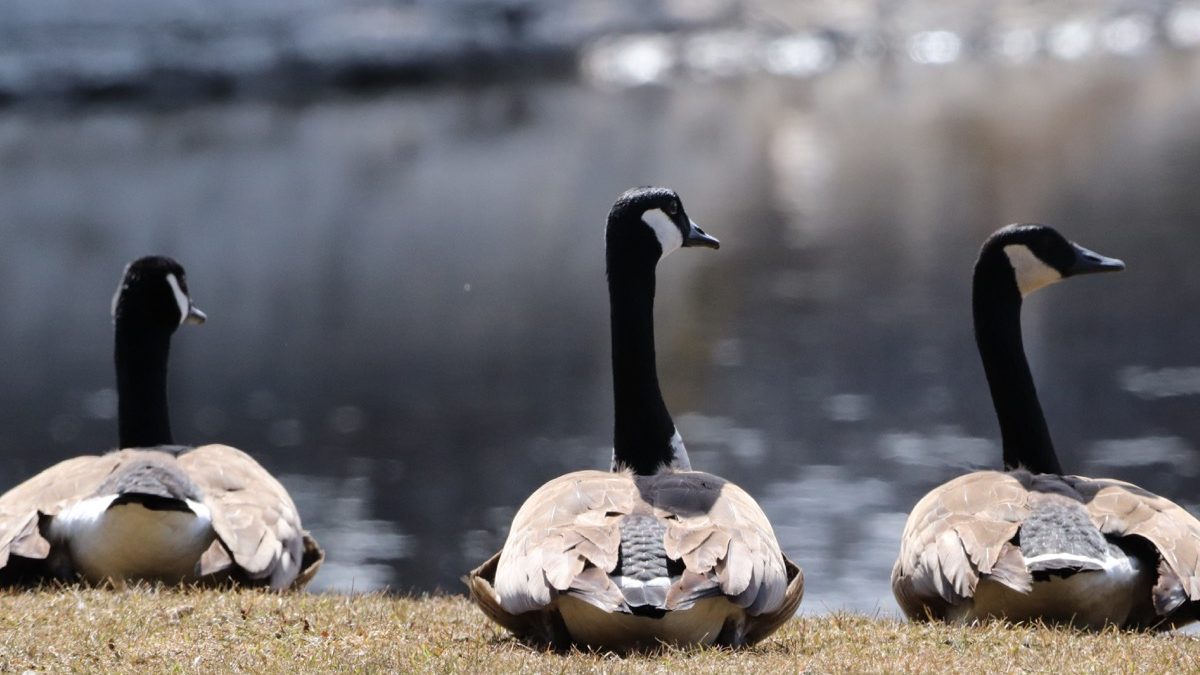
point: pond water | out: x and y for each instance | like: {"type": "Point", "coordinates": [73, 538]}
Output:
{"type": "Point", "coordinates": [408, 317]}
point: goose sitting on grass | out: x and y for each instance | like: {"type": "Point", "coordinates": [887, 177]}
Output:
{"type": "Point", "coordinates": [154, 511]}
{"type": "Point", "coordinates": [1030, 543]}
{"type": "Point", "coordinates": [651, 552]}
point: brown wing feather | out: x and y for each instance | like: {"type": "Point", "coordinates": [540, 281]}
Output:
{"type": "Point", "coordinates": [569, 524]}
{"type": "Point", "coordinates": [721, 534]}
{"type": "Point", "coordinates": [46, 494]}
{"type": "Point", "coordinates": [957, 533]}
{"type": "Point", "coordinates": [761, 626]}
{"type": "Point", "coordinates": [542, 626]}
{"type": "Point", "coordinates": [1122, 509]}
{"type": "Point", "coordinates": [566, 539]}
{"type": "Point", "coordinates": [254, 518]}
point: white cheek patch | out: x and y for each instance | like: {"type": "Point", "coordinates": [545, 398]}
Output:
{"type": "Point", "coordinates": [1030, 271]}
{"type": "Point", "coordinates": [181, 298]}
{"type": "Point", "coordinates": [665, 230]}
{"type": "Point", "coordinates": [117, 299]}
{"type": "Point", "coordinates": [120, 287]}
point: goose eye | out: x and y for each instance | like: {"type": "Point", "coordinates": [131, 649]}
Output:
{"type": "Point", "coordinates": [672, 209]}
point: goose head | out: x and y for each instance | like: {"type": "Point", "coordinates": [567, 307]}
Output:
{"type": "Point", "coordinates": [154, 293]}
{"type": "Point", "coordinates": [1037, 256]}
{"type": "Point", "coordinates": [1014, 262]}
{"type": "Point", "coordinates": [648, 223]}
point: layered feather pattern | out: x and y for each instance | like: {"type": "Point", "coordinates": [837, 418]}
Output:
{"type": "Point", "coordinates": [566, 541]}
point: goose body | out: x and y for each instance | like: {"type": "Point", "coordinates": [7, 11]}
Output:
{"type": "Point", "coordinates": [1030, 543]}
{"type": "Point", "coordinates": [651, 552]}
{"type": "Point", "coordinates": [154, 511]}
{"type": "Point", "coordinates": [146, 521]}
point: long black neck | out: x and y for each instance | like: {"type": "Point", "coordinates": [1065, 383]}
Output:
{"type": "Point", "coordinates": [141, 359]}
{"type": "Point", "coordinates": [643, 428]}
{"type": "Point", "coordinates": [997, 309]}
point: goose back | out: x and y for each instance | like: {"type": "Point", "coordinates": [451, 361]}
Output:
{"type": "Point", "coordinates": [565, 546]}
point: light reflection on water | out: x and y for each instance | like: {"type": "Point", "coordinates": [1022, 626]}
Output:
{"type": "Point", "coordinates": [338, 512]}
{"type": "Point", "coordinates": [408, 318]}
{"type": "Point", "coordinates": [806, 40]}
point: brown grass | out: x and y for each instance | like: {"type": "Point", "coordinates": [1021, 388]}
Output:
{"type": "Point", "coordinates": [166, 630]}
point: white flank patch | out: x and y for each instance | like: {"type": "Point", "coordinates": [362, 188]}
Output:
{"type": "Point", "coordinates": [681, 461]}
{"type": "Point", "coordinates": [120, 287]}
{"type": "Point", "coordinates": [1031, 272]}
{"type": "Point", "coordinates": [181, 298]}
{"type": "Point", "coordinates": [80, 515]}
{"type": "Point", "coordinates": [202, 512]}
{"type": "Point", "coordinates": [679, 457]}
{"type": "Point", "coordinates": [665, 229]}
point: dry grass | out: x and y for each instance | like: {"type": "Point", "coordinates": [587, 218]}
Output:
{"type": "Point", "coordinates": [149, 630]}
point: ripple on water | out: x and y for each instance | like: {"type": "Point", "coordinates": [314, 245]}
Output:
{"type": "Point", "coordinates": [1172, 451]}
{"type": "Point", "coordinates": [359, 549]}
{"type": "Point", "coordinates": [844, 531]}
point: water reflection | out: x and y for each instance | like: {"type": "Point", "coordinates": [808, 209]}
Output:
{"type": "Point", "coordinates": [338, 510]}
{"type": "Point", "coordinates": [408, 317]}
{"type": "Point", "coordinates": [803, 40]}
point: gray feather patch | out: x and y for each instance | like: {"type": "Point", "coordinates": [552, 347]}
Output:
{"type": "Point", "coordinates": [642, 572]}
{"type": "Point", "coordinates": [1061, 536]}
{"type": "Point", "coordinates": [643, 556]}
{"type": "Point", "coordinates": [151, 475]}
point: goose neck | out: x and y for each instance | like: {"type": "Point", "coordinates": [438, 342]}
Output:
{"type": "Point", "coordinates": [997, 314]}
{"type": "Point", "coordinates": [643, 429]}
{"type": "Point", "coordinates": [141, 360]}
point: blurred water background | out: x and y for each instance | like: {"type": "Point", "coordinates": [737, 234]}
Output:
{"type": "Point", "coordinates": [393, 214]}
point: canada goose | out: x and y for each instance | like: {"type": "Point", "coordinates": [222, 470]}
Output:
{"type": "Point", "coordinates": [153, 510]}
{"type": "Point", "coordinates": [1029, 543]}
{"type": "Point", "coordinates": [651, 552]}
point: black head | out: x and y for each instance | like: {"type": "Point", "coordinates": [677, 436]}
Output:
{"type": "Point", "coordinates": [154, 292]}
{"type": "Point", "coordinates": [1039, 256]}
{"type": "Point", "coordinates": [652, 220]}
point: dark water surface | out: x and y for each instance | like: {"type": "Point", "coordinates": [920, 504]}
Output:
{"type": "Point", "coordinates": [408, 316]}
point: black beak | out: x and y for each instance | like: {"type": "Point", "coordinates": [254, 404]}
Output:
{"type": "Point", "coordinates": [697, 237]}
{"type": "Point", "coordinates": [1090, 262]}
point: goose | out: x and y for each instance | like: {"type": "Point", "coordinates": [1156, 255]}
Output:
{"type": "Point", "coordinates": [1029, 543]}
{"type": "Point", "coordinates": [650, 552]}
{"type": "Point", "coordinates": [154, 511]}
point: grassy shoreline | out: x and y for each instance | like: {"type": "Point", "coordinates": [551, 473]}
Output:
{"type": "Point", "coordinates": [168, 630]}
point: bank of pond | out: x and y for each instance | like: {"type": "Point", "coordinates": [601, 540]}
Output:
{"type": "Point", "coordinates": [653, 551]}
